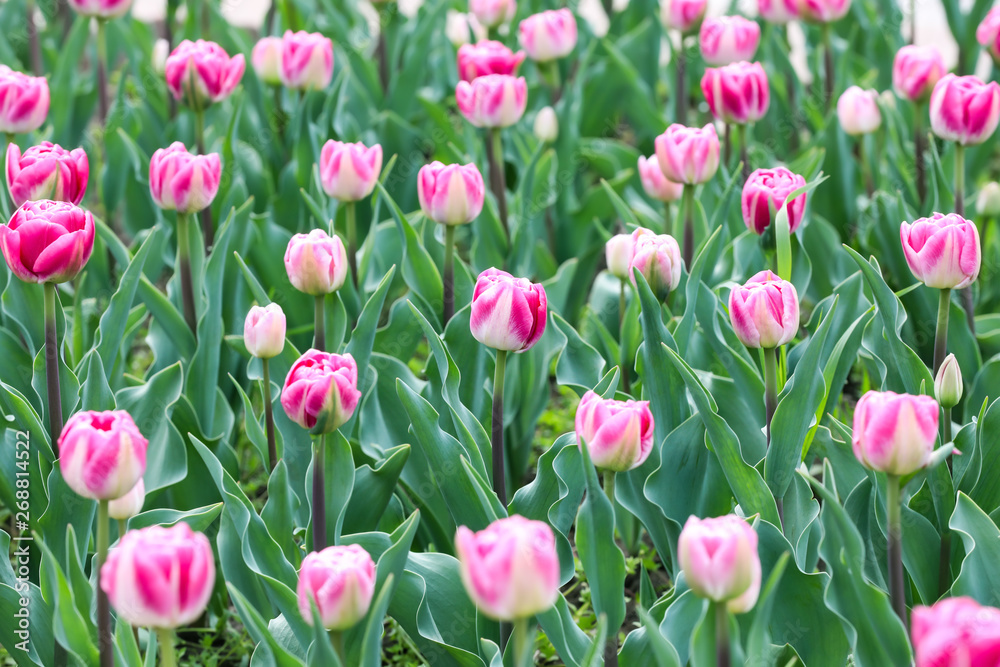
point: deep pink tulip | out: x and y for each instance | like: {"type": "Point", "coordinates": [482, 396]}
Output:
{"type": "Point", "coordinates": [728, 39]}
{"type": "Point", "coordinates": [451, 194]}
{"type": "Point", "coordinates": [306, 60]}
{"type": "Point", "coordinates": [349, 172]}
{"type": "Point", "coordinates": [688, 155]}
{"type": "Point", "coordinates": [720, 561]}
{"type": "Point", "coordinates": [765, 191]}
{"type": "Point", "coordinates": [321, 391]}
{"type": "Point", "coordinates": [508, 313]}
{"type": "Point", "coordinates": [24, 101]}
{"type": "Point", "coordinates": [858, 112]}
{"type": "Point", "coordinates": [964, 109]}
{"type": "Point", "coordinates": [618, 434]}
{"type": "Point", "coordinates": [494, 100]}
{"type": "Point", "coordinates": [894, 433]}
{"type": "Point", "coordinates": [47, 241]}
{"type": "Point", "coordinates": [956, 632]}
{"type": "Point", "coordinates": [548, 35]}
{"type": "Point", "coordinates": [764, 311]}
{"type": "Point", "coordinates": [655, 184]}
{"type": "Point", "coordinates": [988, 33]}
{"type": "Point", "coordinates": [658, 258]}
{"type": "Point", "coordinates": [737, 93]}
{"type": "Point", "coordinates": [487, 57]}
{"type": "Point", "coordinates": [683, 15]}
{"type": "Point", "coordinates": [202, 73]}
{"type": "Point", "coordinates": [266, 60]}
{"type": "Point", "coordinates": [102, 455]}
{"type": "Point", "coordinates": [943, 251]}
{"type": "Point", "coordinates": [493, 13]}
{"type": "Point", "coordinates": [618, 255]}
{"type": "Point", "coordinates": [778, 12]}
{"type": "Point", "coordinates": [181, 181]}
{"type": "Point", "coordinates": [46, 171]}
{"type": "Point", "coordinates": [264, 331]}
{"type": "Point", "coordinates": [340, 581]}
{"type": "Point", "coordinates": [316, 263]}
{"type": "Point", "coordinates": [101, 9]}
{"type": "Point", "coordinates": [916, 70]}
{"type": "Point", "coordinates": [823, 11]}
{"type": "Point", "coordinates": [130, 504]}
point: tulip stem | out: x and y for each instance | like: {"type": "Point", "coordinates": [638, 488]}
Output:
{"type": "Point", "coordinates": [960, 179]}
{"type": "Point", "coordinates": [941, 334]}
{"type": "Point", "coordinates": [522, 648]}
{"type": "Point", "coordinates": [448, 281]}
{"type": "Point", "coordinates": [866, 170]}
{"type": "Point", "coordinates": [770, 387]}
{"type": "Point", "coordinates": [102, 71]}
{"type": "Point", "coordinates": [688, 251]}
{"type": "Point", "coordinates": [727, 146]}
{"type": "Point", "coordinates": [319, 494]}
{"type": "Point", "coordinates": [103, 609]}
{"type": "Point", "coordinates": [894, 511]}
{"type": "Point", "coordinates": [352, 240]}
{"type": "Point", "coordinates": [553, 79]}
{"type": "Point", "coordinates": [741, 132]}
{"type": "Point", "coordinates": [609, 485]}
{"type": "Point", "coordinates": [721, 634]}
{"type": "Point", "coordinates": [667, 219]}
{"type": "Point", "coordinates": [206, 214]}
{"type": "Point", "coordinates": [122, 528]}
{"type": "Point", "coordinates": [919, 140]}
{"type": "Point", "coordinates": [52, 367]}
{"type": "Point", "coordinates": [272, 448]}
{"type": "Point", "coordinates": [184, 268]}
{"type": "Point", "coordinates": [382, 52]}
{"type": "Point", "coordinates": [167, 656]}
{"type": "Point", "coordinates": [681, 91]}
{"type": "Point", "coordinates": [33, 44]}
{"type": "Point", "coordinates": [497, 427]}
{"type": "Point", "coordinates": [498, 180]}
{"type": "Point", "coordinates": [622, 343]}
{"type": "Point", "coordinates": [946, 429]}
{"type": "Point", "coordinates": [319, 335]}
{"type": "Point", "coordinates": [337, 639]}
{"type": "Point", "coordinates": [828, 75]}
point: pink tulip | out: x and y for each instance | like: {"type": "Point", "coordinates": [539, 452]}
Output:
{"type": "Point", "coordinates": [737, 93]}
{"type": "Point", "coordinates": [728, 39]}
{"type": "Point", "coordinates": [24, 101]}
{"type": "Point", "coordinates": [765, 191]}
{"type": "Point", "coordinates": [349, 172]}
{"type": "Point", "coordinates": [101, 9]}
{"type": "Point", "coordinates": [202, 73]}
{"type": "Point", "coordinates": [720, 561]}
{"type": "Point", "coordinates": [266, 60]}
{"type": "Point", "coordinates": [687, 154]}
{"type": "Point", "coordinates": [47, 241]}
{"type": "Point", "coordinates": [316, 263]}
{"type": "Point", "coordinates": [451, 194]}
{"type": "Point", "coordinates": [130, 504]}
{"type": "Point", "coordinates": [894, 433]}
{"type": "Point", "coordinates": [943, 250]}
{"type": "Point", "coordinates": [655, 183]}
{"type": "Point", "coordinates": [618, 434]}
{"type": "Point", "coordinates": [508, 313]}
{"type": "Point", "coordinates": [956, 632]}
{"type": "Point", "coordinates": [102, 455]}
{"type": "Point", "coordinates": [683, 15]}
{"type": "Point", "coordinates": [494, 100]}
{"type": "Point", "coordinates": [618, 255]}
{"type": "Point", "coordinates": [548, 35]}
{"type": "Point", "coordinates": [487, 57]}
{"type": "Point", "coordinates": [493, 13]}
{"type": "Point", "coordinates": [988, 33]}
{"type": "Point", "coordinates": [160, 577]}
{"type": "Point", "coordinates": [964, 109]}
{"type": "Point", "coordinates": [340, 581]}
{"type": "Point", "coordinates": [511, 568]}
{"type": "Point", "coordinates": [264, 331]}
{"type": "Point", "coordinates": [306, 60]}
{"type": "Point", "coordinates": [183, 182]}
{"type": "Point", "coordinates": [765, 311]}
{"type": "Point", "coordinates": [823, 11]}
{"type": "Point", "coordinates": [321, 391]}
{"type": "Point", "coordinates": [658, 259]}
{"type": "Point", "coordinates": [858, 112]}
{"type": "Point", "coordinates": [778, 12]}
{"type": "Point", "coordinates": [46, 171]}
{"type": "Point", "coordinates": [916, 70]}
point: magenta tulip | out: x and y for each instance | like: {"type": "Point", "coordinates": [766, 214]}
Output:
{"type": "Point", "coordinates": [316, 263]}
{"type": "Point", "coordinates": [46, 171]}
{"type": "Point", "coordinates": [349, 172]}
{"type": "Point", "coordinates": [487, 57]}
{"type": "Point", "coordinates": [658, 258]}
{"type": "Point", "coordinates": [988, 33]}
{"type": "Point", "coordinates": [321, 391]}
{"type": "Point", "coordinates": [916, 70]}
{"type": "Point", "coordinates": [24, 101]}
{"type": "Point", "coordinates": [618, 434]}
{"type": "Point", "coordinates": [47, 241]}
{"type": "Point", "coordinates": [102, 455]}
{"type": "Point", "coordinates": [858, 112]}
{"type": "Point", "coordinates": [688, 155]}
{"type": "Point", "coordinates": [942, 251]}
{"type": "Point", "coordinates": [964, 109]}
{"type": "Point", "coordinates": [737, 93]}
{"type": "Point", "coordinates": [101, 9]}
{"type": "Point", "coordinates": [778, 12]}
{"type": "Point", "coordinates": [340, 581]}
{"type": "Point", "coordinates": [493, 13]}
{"type": "Point", "coordinates": [183, 182]}
{"type": "Point", "coordinates": [683, 15]}
{"type": "Point", "coordinates": [202, 73]}
{"type": "Point", "coordinates": [822, 11]}
{"type": "Point", "coordinates": [728, 39]}
{"type": "Point", "coordinates": [764, 311]}
{"type": "Point", "coordinates": [956, 632]}
{"type": "Point", "coordinates": [720, 561]}
{"type": "Point", "coordinates": [508, 313]}
{"type": "Point", "coordinates": [765, 193]}
{"type": "Point", "coordinates": [656, 185]}
{"type": "Point", "coordinates": [306, 60]}
{"type": "Point", "coordinates": [894, 433]}
{"type": "Point", "coordinates": [494, 100]}
{"type": "Point", "coordinates": [451, 194]}
{"type": "Point", "coordinates": [548, 35]}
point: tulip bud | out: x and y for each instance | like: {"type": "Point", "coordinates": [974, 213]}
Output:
{"type": "Point", "coordinates": [765, 311]}
{"type": "Point", "coordinates": [988, 200]}
{"type": "Point", "coordinates": [618, 434]}
{"type": "Point", "coordinates": [655, 183]}
{"type": "Point", "coordinates": [720, 561]}
{"type": "Point", "coordinates": [778, 12]}
{"type": "Point", "coordinates": [511, 568]}
{"type": "Point", "coordinates": [955, 632]}
{"type": "Point", "coordinates": [683, 15]}
{"type": "Point", "coordinates": [184, 182]}
{"type": "Point", "coordinates": [894, 433]}
{"type": "Point", "coordinates": [130, 504]}
{"type": "Point", "coordinates": [451, 194]}
{"type": "Point", "coordinates": [266, 60]}
{"type": "Point", "coordinates": [728, 39]}
{"type": "Point", "coordinates": [546, 125]}
{"type": "Point", "coordinates": [942, 251]}
{"type": "Point", "coordinates": [25, 101]}
{"type": "Point", "coordinates": [316, 263]}
{"type": "Point", "coordinates": [964, 109]}
{"type": "Point", "coordinates": [494, 100]}
{"type": "Point", "coordinates": [548, 35]}
{"type": "Point", "coordinates": [948, 382]}
{"type": "Point", "coordinates": [46, 171]}
{"type": "Point", "coordinates": [349, 172]}
{"type": "Point", "coordinates": [765, 191]}
{"type": "Point", "coordinates": [916, 70]}
{"type": "Point", "coordinates": [618, 254]}
{"type": "Point", "coordinates": [737, 93]}
{"type": "Point", "coordinates": [264, 331]}
{"type": "Point", "coordinates": [321, 391]}
{"type": "Point", "coordinates": [687, 154]}
{"type": "Point", "coordinates": [858, 111]}
{"type": "Point", "coordinates": [658, 259]}
{"type": "Point", "coordinates": [158, 58]}
{"type": "Point", "coordinates": [160, 577]}
{"type": "Point", "coordinates": [988, 33]}
{"type": "Point", "coordinates": [487, 57]}
{"type": "Point", "coordinates": [463, 28]}
{"type": "Point", "coordinates": [306, 60]}
{"type": "Point", "coordinates": [47, 241]}
{"type": "Point", "coordinates": [508, 313]}
{"type": "Point", "coordinates": [202, 73]}
{"type": "Point", "coordinates": [102, 454]}
{"type": "Point", "coordinates": [493, 13]}
{"type": "Point", "coordinates": [100, 9]}
{"type": "Point", "coordinates": [340, 581]}
{"type": "Point", "coordinates": [822, 11]}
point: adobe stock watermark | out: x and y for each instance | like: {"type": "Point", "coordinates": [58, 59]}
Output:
{"type": "Point", "coordinates": [22, 539]}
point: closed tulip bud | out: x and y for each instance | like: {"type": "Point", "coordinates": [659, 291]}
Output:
{"type": "Point", "coordinates": [658, 258]}
{"type": "Point", "coordinates": [183, 182]}
{"type": "Point", "coordinates": [487, 57]}
{"type": "Point", "coordinates": [321, 391]}
{"type": "Point", "coordinates": [683, 15]}
{"type": "Point", "coordinates": [158, 58]}
{"type": "Point", "coordinates": [948, 382]}
{"type": "Point", "coordinates": [340, 581]}
{"type": "Point", "coordinates": [101, 9]}
{"type": "Point", "coordinates": [988, 200]}
{"type": "Point", "coordinates": [916, 70]}
{"type": "Point", "coordinates": [737, 93]}
{"type": "Point", "coordinates": [451, 194]}
{"type": "Point", "coordinates": [102, 454]}
{"type": "Point", "coordinates": [655, 184]}
{"type": "Point", "coordinates": [306, 60]}
{"type": "Point", "coordinates": [202, 73]}
{"type": "Point", "coordinates": [618, 254]}
{"type": "Point", "coordinates": [988, 33]}
{"type": "Point", "coordinates": [463, 28]}
{"type": "Point", "coordinates": [778, 12]}
{"type": "Point", "coordinates": [546, 126]}
{"type": "Point", "coordinates": [349, 172]}
{"type": "Point", "coordinates": [508, 313]}
{"type": "Point", "coordinates": [511, 568]}
{"type": "Point", "coordinates": [942, 251]}
{"type": "Point", "coordinates": [728, 39]}
{"type": "Point", "coordinates": [493, 13]}
{"type": "Point", "coordinates": [24, 101]}
{"type": "Point", "coordinates": [264, 331]}
{"type": "Point", "coordinates": [823, 11]}
{"type": "Point", "coordinates": [160, 577]}
{"type": "Point", "coordinates": [956, 632]}
{"type": "Point", "coordinates": [46, 171]}
{"type": "Point", "coordinates": [964, 109]}
{"type": "Point", "coordinates": [894, 433]}
{"type": "Point", "coordinates": [765, 311]}
{"type": "Point", "coordinates": [720, 561]}
{"type": "Point", "coordinates": [494, 100]}
{"type": "Point", "coordinates": [688, 155]}
{"type": "Point", "coordinates": [130, 504]}
{"type": "Point", "coordinates": [765, 191]}
{"type": "Point", "coordinates": [316, 263]}
{"type": "Point", "coordinates": [266, 60]}
{"type": "Point", "coordinates": [858, 111]}
{"type": "Point", "coordinates": [548, 35]}
{"type": "Point", "coordinates": [618, 434]}
{"type": "Point", "coordinates": [47, 241]}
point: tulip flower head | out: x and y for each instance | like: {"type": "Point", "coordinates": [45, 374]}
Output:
{"type": "Point", "coordinates": [942, 251]}
{"type": "Point", "coordinates": [321, 391]}
{"type": "Point", "coordinates": [778, 12]}
{"type": "Point", "coordinates": [101, 9]}
{"type": "Point", "coordinates": [47, 241]}
{"type": "Point", "coordinates": [508, 313]}
{"type": "Point", "coordinates": [130, 504]}
{"type": "Point", "coordinates": [988, 33]}
{"type": "Point", "coordinates": [340, 581]}
{"type": "Point", "coordinates": [493, 13]}
{"type": "Point", "coordinates": [24, 101]}
{"type": "Point", "coordinates": [316, 263]}
{"type": "Point", "coordinates": [183, 182]}
{"type": "Point", "coordinates": [728, 39]}
{"type": "Point", "coordinates": [956, 632]}
{"type": "Point", "coordinates": [306, 60]}
{"type": "Point", "coordinates": [948, 382]}
{"type": "Point", "coordinates": [201, 73]}
{"type": "Point", "coordinates": [764, 311]}
{"type": "Point", "coordinates": [720, 561]}
{"type": "Point", "coordinates": [964, 109]}
{"type": "Point", "coordinates": [765, 193]}
{"type": "Point", "coordinates": [487, 57]}
{"type": "Point", "coordinates": [451, 194]}
{"type": "Point", "coordinates": [916, 70]}
{"type": "Point", "coordinates": [658, 258]}
{"type": "Point", "coordinates": [494, 100]}
{"type": "Point", "coordinates": [618, 434]}
{"type": "Point", "coordinates": [988, 200]}
{"type": "Point", "coordinates": [46, 171]}
{"type": "Point", "coordinates": [264, 331]}
{"type": "Point", "coordinates": [822, 11]}
{"type": "Point", "coordinates": [546, 127]}
{"type": "Point", "coordinates": [548, 35]}
{"type": "Point", "coordinates": [349, 172]}
{"type": "Point", "coordinates": [737, 93]}
{"type": "Point", "coordinates": [102, 455]}
{"type": "Point", "coordinates": [266, 60]}
{"type": "Point", "coordinates": [858, 111]}
{"type": "Point", "coordinates": [688, 155]}
{"type": "Point", "coordinates": [618, 255]}
{"type": "Point", "coordinates": [684, 16]}
{"type": "Point", "coordinates": [656, 185]}
{"type": "Point", "coordinates": [894, 433]}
